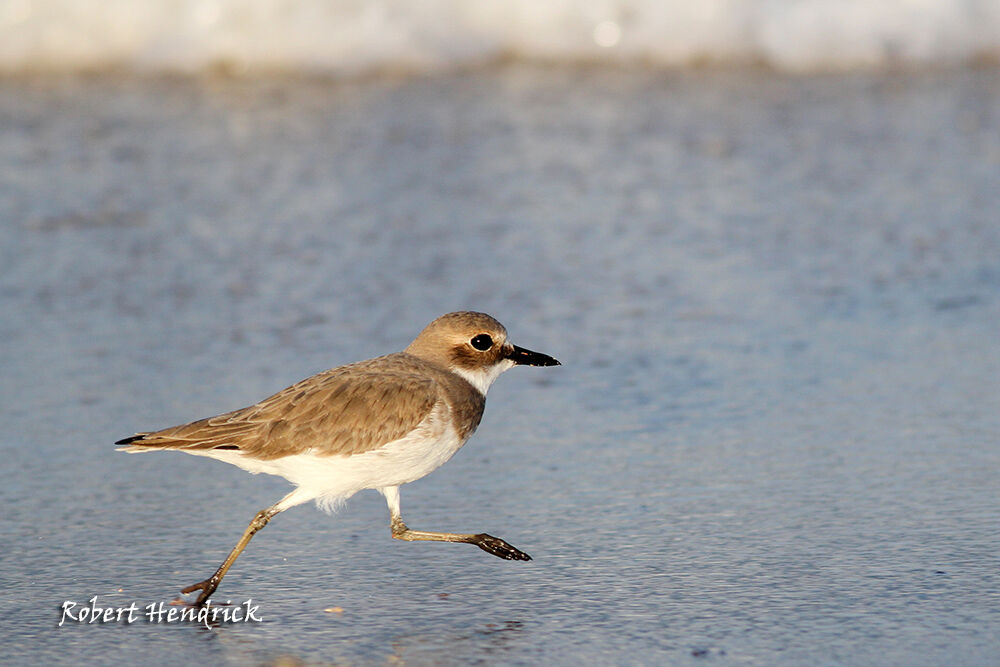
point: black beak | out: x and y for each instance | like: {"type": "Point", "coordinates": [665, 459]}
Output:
{"type": "Point", "coordinates": [523, 357]}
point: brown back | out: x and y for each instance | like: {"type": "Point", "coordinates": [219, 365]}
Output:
{"type": "Point", "coordinates": [346, 410]}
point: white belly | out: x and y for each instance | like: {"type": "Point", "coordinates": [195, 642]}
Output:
{"type": "Point", "coordinates": [332, 479]}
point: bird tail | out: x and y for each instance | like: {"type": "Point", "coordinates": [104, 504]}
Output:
{"type": "Point", "coordinates": [135, 444]}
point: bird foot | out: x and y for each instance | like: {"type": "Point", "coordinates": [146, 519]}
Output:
{"type": "Point", "coordinates": [206, 587]}
{"type": "Point", "coordinates": [498, 547]}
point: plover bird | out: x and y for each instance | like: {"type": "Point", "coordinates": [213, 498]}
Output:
{"type": "Point", "coordinates": [374, 424]}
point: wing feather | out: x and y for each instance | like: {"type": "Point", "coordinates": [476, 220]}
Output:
{"type": "Point", "coordinates": [346, 410]}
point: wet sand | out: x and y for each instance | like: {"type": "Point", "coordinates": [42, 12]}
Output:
{"type": "Point", "coordinates": [776, 299]}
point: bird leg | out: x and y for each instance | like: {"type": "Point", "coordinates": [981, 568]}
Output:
{"type": "Point", "coordinates": [488, 543]}
{"type": "Point", "coordinates": [208, 586]}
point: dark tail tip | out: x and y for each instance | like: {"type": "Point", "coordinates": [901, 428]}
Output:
{"type": "Point", "coordinates": [131, 439]}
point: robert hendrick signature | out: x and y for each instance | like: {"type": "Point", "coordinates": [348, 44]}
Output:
{"type": "Point", "coordinates": [158, 612]}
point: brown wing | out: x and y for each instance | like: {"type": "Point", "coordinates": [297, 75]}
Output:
{"type": "Point", "coordinates": [346, 410]}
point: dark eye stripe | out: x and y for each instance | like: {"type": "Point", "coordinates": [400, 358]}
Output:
{"type": "Point", "coordinates": [482, 342]}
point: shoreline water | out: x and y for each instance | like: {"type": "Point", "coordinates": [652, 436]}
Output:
{"type": "Point", "coordinates": [773, 438]}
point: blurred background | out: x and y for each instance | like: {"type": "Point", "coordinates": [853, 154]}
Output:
{"type": "Point", "coordinates": [352, 36]}
{"type": "Point", "coordinates": [761, 236]}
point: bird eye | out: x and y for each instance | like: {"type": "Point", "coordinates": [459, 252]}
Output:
{"type": "Point", "coordinates": [482, 342]}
